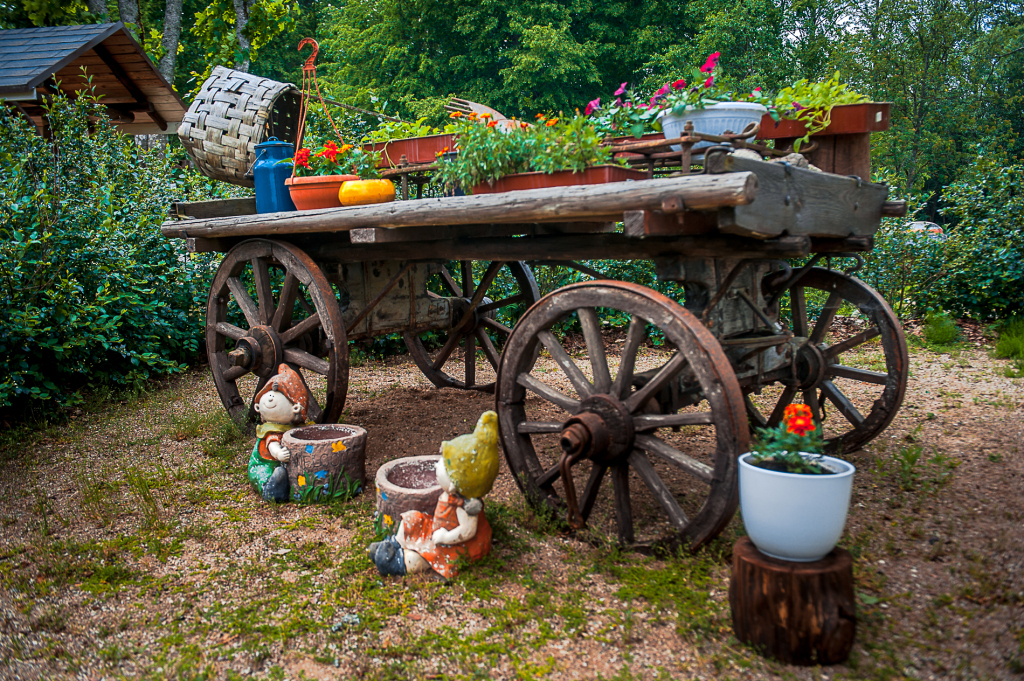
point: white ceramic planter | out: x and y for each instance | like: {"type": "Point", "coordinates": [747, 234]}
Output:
{"type": "Point", "coordinates": [714, 120]}
{"type": "Point", "coordinates": [795, 517]}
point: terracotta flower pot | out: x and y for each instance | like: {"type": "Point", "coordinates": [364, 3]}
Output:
{"type": "Point", "coordinates": [563, 178]}
{"type": "Point", "coordinates": [407, 484]}
{"type": "Point", "coordinates": [317, 191]}
{"type": "Point", "coordinates": [414, 149]}
{"type": "Point", "coordinates": [847, 119]}
{"type": "Point", "coordinates": [328, 462]}
{"type": "Point", "coordinates": [365, 192]}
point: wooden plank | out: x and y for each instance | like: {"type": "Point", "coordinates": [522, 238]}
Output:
{"type": "Point", "coordinates": [795, 201]}
{"type": "Point", "coordinates": [557, 204]}
{"type": "Point", "coordinates": [380, 235]}
{"type": "Point", "coordinates": [566, 247]}
{"type": "Point", "coordinates": [214, 209]}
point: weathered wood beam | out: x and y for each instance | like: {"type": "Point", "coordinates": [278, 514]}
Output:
{"type": "Point", "coordinates": [129, 85]}
{"type": "Point", "coordinates": [557, 204]}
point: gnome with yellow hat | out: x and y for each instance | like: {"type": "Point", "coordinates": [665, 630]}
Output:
{"type": "Point", "coordinates": [282, 404]}
{"type": "Point", "coordinates": [458, 529]}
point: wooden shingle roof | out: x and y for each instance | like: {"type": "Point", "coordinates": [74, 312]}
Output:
{"type": "Point", "coordinates": [34, 61]}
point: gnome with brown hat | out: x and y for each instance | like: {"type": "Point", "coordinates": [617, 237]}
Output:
{"type": "Point", "coordinates": [282, 405]}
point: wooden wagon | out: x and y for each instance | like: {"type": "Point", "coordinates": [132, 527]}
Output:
{"type": "Point", "coordinates": [668, 399]}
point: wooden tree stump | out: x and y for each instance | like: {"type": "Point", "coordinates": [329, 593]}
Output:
{"type": "Point", "coordinates": [797, 613]}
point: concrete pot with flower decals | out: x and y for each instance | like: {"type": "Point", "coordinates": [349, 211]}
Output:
{"type": "Point", "coordinates": [328, 462]}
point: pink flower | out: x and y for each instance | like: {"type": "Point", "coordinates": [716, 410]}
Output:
{"type": "Point", "coordinates": [663, 90]}
{"type": "Point", "coordinates": [709, 82]}
{"type": "Point", "coordinates": [798, 106]}
{"type": "Point", "coordinates": [641, 106]}
{"type": "Point", "coordinates": [757, 89]}
{"type": "Point", "coordinates": [618, 101]}
{"type": "Point", "coordinates": [711, 62]}
{"type": "Point", "coordinates": [592, 106]}
{"type": "Point", "coordinates": [627, 104]}
{"type": "Point", "coordinates": [621, 90]}
{"type": "Point", "coordinates": [679, 84]}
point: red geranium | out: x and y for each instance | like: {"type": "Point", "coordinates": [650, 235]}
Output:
{"type": "Point", "coordinates": [302, 158]}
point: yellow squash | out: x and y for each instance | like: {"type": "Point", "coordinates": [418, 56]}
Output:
{"type": "Point", "coordinates": [363, 192]}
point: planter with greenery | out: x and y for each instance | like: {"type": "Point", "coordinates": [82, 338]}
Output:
{"type": "Point", "coordinates": [553, 152]}
{"type": "Point", "coordinates": [830, 108]}
{"type": "Point", "coordinates": [319, 175]}
{"type": "Point", "coordinates": [417, 142]}
{"type": "Point", "coordinates": [794, 500]}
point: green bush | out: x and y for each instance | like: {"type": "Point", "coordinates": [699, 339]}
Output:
{"type": "Point", "coordinates": [91, 295]}
{"type": "Point", "coordinates": [1010, 344]}
{"type": "Point", "coordinates": [940, 329]}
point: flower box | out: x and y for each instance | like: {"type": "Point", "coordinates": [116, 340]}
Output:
{"type": "Point", "coordinates": [848, 119]}
{"type": "Point", "coordinates": [316, 191]}
{"type": "Point", "coordinates": [416, 150]}
{"type": "Point", "coordinates": [564, 178]}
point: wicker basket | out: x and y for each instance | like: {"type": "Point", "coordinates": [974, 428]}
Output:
{"type": "Point", "coordinates": [233, 112]}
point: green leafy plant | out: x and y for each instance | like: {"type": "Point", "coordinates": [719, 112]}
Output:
{"type": "Point", "coordinates": [794, 446]}
{"type": "Point", "coordinates": [811, 103]}
{"type": "Point", "coordinates": [628, 114]}
{"type": "Point", "coordinates": [940, 329]}
{"type": "Point", "coordinates": [330, 159]}
{"type": "Point", "coordinates": [388, 131]}
{"type": "Point", "coordinates": [487, 153]}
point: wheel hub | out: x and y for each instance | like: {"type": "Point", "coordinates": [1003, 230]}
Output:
{"type": "Point", "coordinates": [810, 363]}
{"type": "Point", "coordinates": [602, 431]}
{"type": "Point", "coordinates": [261, 352]}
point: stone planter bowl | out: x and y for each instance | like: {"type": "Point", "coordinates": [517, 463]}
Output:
{"type": "Point", "coordinates": [407, 484]}
{"type": "Point", "coordinates": [328, 462]}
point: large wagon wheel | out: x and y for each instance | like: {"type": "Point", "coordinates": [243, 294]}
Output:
{"type": "Point", "coordinates": [294, 318]}
{"type": "Point", "coordinates": [864, 400]}
{"type": "Point", "coordinates": [474, 322]}
{"type": "Point", "coordinates": [556, 414]}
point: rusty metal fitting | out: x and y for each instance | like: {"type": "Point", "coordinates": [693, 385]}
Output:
{"type": "Point", "coordinates": [575, 440]}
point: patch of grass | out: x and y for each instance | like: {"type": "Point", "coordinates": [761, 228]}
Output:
{"type": "Point", "coordinates": [940, 329]}
{"type": "Point", "coordinates": [140, 485]}
{"type": "Point", "coordinates": [1011, 339]}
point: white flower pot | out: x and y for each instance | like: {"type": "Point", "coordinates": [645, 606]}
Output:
{"type": "Point", "coordinates": [792, 516]}
{"type": "Point", "coordinates": [714, 120]}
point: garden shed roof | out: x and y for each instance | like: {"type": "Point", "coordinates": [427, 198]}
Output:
{"type": "Point", "coordinates": [37, 61]}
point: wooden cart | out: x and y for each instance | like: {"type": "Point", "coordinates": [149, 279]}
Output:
{"type": "Point", "coordinates": [675, 412]}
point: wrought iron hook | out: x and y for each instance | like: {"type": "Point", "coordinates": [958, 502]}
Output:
{"type": "Point", "coordinates": [310, 64]}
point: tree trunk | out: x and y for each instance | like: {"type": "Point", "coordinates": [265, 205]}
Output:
{"type": "Point", "coordinates": [98, 7]}
{"type": "Point", "coordinates": [797, 613]}
{"type": "Point", "coordinates": [241, 21]}
{"type": "Point", "coordinates": [169, 43]}
{"type": "Point", "coordinates": [129, 13]}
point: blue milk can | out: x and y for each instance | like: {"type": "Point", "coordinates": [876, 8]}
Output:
{"type": "Point", "coordinates": [269, 175]}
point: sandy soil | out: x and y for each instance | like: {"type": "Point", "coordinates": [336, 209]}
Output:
{"type": "Point", "coordinates": [130, 546]}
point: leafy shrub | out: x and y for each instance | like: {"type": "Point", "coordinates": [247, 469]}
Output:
{"type": "Point", "coordinates": [91, 294]}
{"type": "Point", "coordinates": [940, 329]}
{"type": "Point", "coordinates": [1011, 339]}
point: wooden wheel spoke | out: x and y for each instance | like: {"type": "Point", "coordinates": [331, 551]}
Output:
{"type": "Point", "coordinates": [283, 314]}
{"type": "Point", "coordinates": [449, 282]}
{"type": "Point", "coordinates": [863, 375]}
{"type": "Point", "coordinates": [798, 305]}
{"type": "Point", "coordinates": [811, 400]}
{"type": "Point", "coordinates": [469, 359]}
{"type": "Point", "coordinates": [623, 509]}
{"type": "Point", "coordinates": [264, 293]}
{"type": "Point", "coordinates": [232, 374]}
{"type": "Point", "coordinates": [669, 370]}
{"type": "Point", "coordinates": [485, 283]}
{"type": "Point", "coordinates": [780, 407]}
{"type": "Point", "coordinates": [645, 422]}
{"type": "Point", "coordinates": [253, 415]}
{"type": "Point", "coordinates": [834, 351]}
{"type": "Point", "coordinates": [534, 385]}
{"type": "Point", "coordinates": [842, 402]}
{"type": "Point", "coordinates": [306, 360]}
{"type": "Point", "coordinates": [446, 350]}
{"type": "Point", "coordinates": [627, 362]}
{"type": "Point", "coordinates": [466, 267]}
{"type": "Point", "coordinates": [231, 331]}
{"type": "Point", "coordinates": [662, 494]}
{"type": "Point", "coordinates": [495, 325]}
{"type": "Point", "coordinates": [753, 413]}
{"type": "Point", "coordinates": [824, 321]}
{"type": "Point", "coordinates": [488, 347]}
{"type": "Point", "coordinates": [549, 476]}
{"type": "Point", "coordinates": [595, 348]}
{"type": "Point", "coordinates": [505, 302]}
{"type": "Point", "coordinates": [658, 447]}
{"type": "Point", "coordinates": [590, 492]}
{"type": "Point", "coordinates": [241, 296]}
{"type": "Point", "coordinates": [528, 427]}
{"type": "Point", "coordinates": [564, 361]}
{"type": "Point", "coordinates": [301, 329]}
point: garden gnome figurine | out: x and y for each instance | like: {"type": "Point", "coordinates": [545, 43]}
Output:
{"type": "Point", "coordinates": [458, 529]}
{"type": "Point", "coordinates": [282, 405]}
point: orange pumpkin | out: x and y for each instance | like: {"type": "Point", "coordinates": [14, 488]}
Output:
{"type": "Point", "coordinates": [363, 192]}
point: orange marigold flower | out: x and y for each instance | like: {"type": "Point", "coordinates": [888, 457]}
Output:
{"type": "Point", "coordinates": [795, 410]}
{"type": "Point", "coordinates": [345, 147]}
{"type": "Point", "coordinates": [539, 116]}
{"type": "Point", "coordinates": [485, 115]}
{"type": "Point", "coordinates": [551, 122]}
{"type": "Point", "coordinates": [455, 114]}
{"type": "Point", "coordinates": [491, 124]}
{"type": "Point", "coordinates": [524, 124]}
{"type": "Point", "coordinates": [801, 425]}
